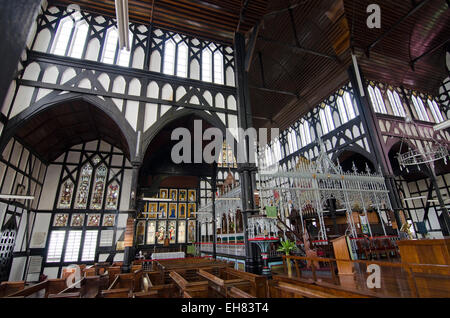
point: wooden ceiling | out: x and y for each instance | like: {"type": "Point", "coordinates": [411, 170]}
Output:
{"type": "Point", "coordinates": [303, 49]}
{"type": "Point", "coordinates": [211, 19]}
{"type": "Point", "coordinates": [426, 29]}
{"type": "Point", "coordinates": [55, 130]}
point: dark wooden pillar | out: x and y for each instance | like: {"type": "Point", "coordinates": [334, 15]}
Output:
{"type": "Point", "coordinates": [245, 169]}
{"type": "Point", "coordinates": [129, 252]}
{"type": "Point", "coordinates": [375, 138]}
{"type": "Point", "coordinates": [214, 225]}
{"type": "Point", "coordinates": [16, 19]}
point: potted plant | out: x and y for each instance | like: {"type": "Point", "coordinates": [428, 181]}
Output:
{"type": "Point", "coordinates": [286, 247]}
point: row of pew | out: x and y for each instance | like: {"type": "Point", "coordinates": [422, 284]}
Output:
{"type": "Point", "coordinates": [183, 278]}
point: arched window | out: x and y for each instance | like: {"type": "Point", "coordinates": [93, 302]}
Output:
{"type": "Point", "coordinates": [438, 118]}
{"type": "Point", "coordinates": [124, 55]}
{"type": "Point", "coordinates": [377, 100]}
{"type": "Point", "coordinates": [207, 65]}
{"type": "Point", "coordinates": [305, 133]}
{"type": "Point", "coordinates": [81, 31]}
{"type": "Point", "coordinates": [169, 57]}
{"type": "Point", "coordinates": [99, 187]}
{"type": "Point", "coordinates": [420, 108]}
{"type": "Point", "coordinates": [111, 43]}
{"type": "Point", "coordinates": [83, 187]}
{"type": "Point", "coordinates": [63, 36]}
{"type": "Point", "coordinates": [182, 60]}
{"type": "Point", "coordinates": [326, 118]}
{"type": "Point", "coordinates": [396, 103]}
{"type": "Point", "coordinates": [218, 67]}
{"type": "Point", "coordinates": [342, 110]}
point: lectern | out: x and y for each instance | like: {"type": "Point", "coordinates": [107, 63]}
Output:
{"type": "Point", "coordinates": [342, 250]}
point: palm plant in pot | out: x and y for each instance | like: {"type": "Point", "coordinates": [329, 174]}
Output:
{"type": "Point", "coordinates": [287, 247]}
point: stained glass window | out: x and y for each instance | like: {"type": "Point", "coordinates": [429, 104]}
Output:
{"type": "Point", "coordinates": [191, 231]}
{"type": "Point", "coordinates": [161, 234]}
{"type": "Point", "coordinates": [93, 220]}
{"type": "Point", "coordinates": [109, 219]}
{"type": "Point", "coordinates": [181, 231]}
{"type": "Point", "coordinates": [140, 232]}
{"type": "Point", "coordinates": [61, 219]}
{"type": "Point", "coordinates": [112, 196]}
{"type": "Point", "coordinates": [172, 231]}
{"type": "Point", "coordinates": [65, 196]}
{"type": "Point", "coordinates": [77, 220]}
{"type": "Point", "coordinates": [99, 187]}
{"type": "Point", "coordinates": [151, 231]}
{"type": "Point", "coordinates": [83, 187]}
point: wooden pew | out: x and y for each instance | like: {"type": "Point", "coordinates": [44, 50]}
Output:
{"type": "Point", "coordinates": [233, 292]}
{"type": "Point", "coordinates": [117, 293]}
{"type": "Point", "coordinates": [196, 289]}
{"type": "Point", "coordinates": [42, 289]}
{"type": "Point", "coordinates": [89, 287]}
{"type": "Point", "coordinates": [286, 287]}
{"type": "Point", "coordinates": [8, 288]}
{"type": "Point", "coordinates": [221, 286]}
{"type": "Point", "coordinates": [113, 271]}
{"type": "Point", "coordinates": [258, 283]}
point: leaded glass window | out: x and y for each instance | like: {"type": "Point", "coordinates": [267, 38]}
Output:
{"type": "Point", "coordinates": [63, 36]}
{"type": "Point", "coordinates": [81, 31]}
{"type": "Point", "coordinates": [172, 230]}
{"type": "Point", "coordinates": [72, 246]}
{"type": "Point", "coordinates": [151, 232]}
{"type": "Point", "coordinates": [112, 196]}
{"type": "Point", "coordinates": [55, 246]}
{"type": "Point", "coordinates": [161, 234]}
{"type": "Point", "coordinates": [99, 187]}
{"type": "Point", "coordinates": [83, 187]}
{"type": "Point", "coordinates": [182, 60]}
{"type": "Point", "coordinates": [437, 115]}
{"type": "Point", "coordinates": [218, 67]}
{"type": "Point", "coordinates": [169, 58]}
{"type": "Point", "coordinates": [420, 108]}
{"type": "Point", "coordinates": [89, 246]}
{"type": "Point", "coordinates": [109, 52]}
{"type": "Point", "coordinates": [181, 231]}
{"type": "Point", "coordinates": [396, 104]}
{"type": "Point", "coordinates": [207, 65]}
{"type": "Point", "coordinates": [65, 196]}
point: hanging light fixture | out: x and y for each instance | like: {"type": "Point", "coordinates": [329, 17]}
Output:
{"type": "Point", "coordinates": [122, 23]}
{"type": "Point", "coordinates": [432, 152]}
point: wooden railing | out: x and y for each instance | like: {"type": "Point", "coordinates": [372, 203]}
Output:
{"type": "Point", "coordinates": [423, 280]}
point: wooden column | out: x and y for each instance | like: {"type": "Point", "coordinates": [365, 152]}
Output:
{"type": "Point", "coordinates": [375, 138]}
{"type": "Point", "coordinates": [132, 214]}
{"type": "Point", "coordinates": [245, 169]}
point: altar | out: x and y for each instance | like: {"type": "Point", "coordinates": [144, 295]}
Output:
{"type": "Point", "coordinates": [168, 255]}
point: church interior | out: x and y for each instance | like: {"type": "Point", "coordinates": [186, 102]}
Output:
{"type": "Point", "coordinates": [348, 196]}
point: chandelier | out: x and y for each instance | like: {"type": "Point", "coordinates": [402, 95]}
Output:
{"type": "Point", "coordinates": [432, 152]}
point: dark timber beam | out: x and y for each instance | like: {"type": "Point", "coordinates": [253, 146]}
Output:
{"type": "Point", "coordinates": [251, 47]}
{"type": "Point", "coordinates": [396, 24]}
{"type": "Point", "coordinates": [297, 49]}
{"type": "Point", "coordinates": [275, 91]}
{"type": "Point", "coordinates": [430, 51]}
